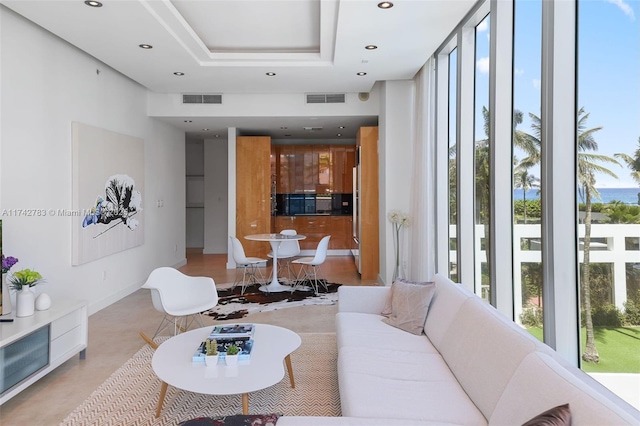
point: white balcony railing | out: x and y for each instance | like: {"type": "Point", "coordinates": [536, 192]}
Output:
{"type": "Point", "coordinates": [608, 245]}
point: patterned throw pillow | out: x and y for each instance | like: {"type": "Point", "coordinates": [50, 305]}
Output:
{"type": "Point", "coordinates": [235, 420]}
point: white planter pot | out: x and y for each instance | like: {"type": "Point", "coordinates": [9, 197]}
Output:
{"type": "Point", "coordinates": [25, 302]}
{"type": "Point", "coordinates": [211, 360]}
{"type": "Point", "coordinates": [231, 360]}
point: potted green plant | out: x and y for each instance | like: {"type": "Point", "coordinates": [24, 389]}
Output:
{"type": "Point", "coordinates": [211, 354]}
{"type": "Point", "coordinates": [231, 357]}
{"type": "Point", "coordinates": [22, 281]}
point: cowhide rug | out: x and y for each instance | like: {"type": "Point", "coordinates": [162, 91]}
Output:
{"type": "Point", "coordinates": [233, 305]}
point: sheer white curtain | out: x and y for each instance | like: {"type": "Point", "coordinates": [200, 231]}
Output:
{"type": "Point", "coordinates": [422, 236]}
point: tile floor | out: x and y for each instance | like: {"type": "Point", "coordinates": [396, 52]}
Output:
{"type": "Point", "coordinates": [114, 338]}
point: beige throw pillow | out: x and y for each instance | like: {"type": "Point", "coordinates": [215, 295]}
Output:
{"type": "Point", "coordinates": [386, 311]}
{"type": "Point", "coordinates": [410, 305]}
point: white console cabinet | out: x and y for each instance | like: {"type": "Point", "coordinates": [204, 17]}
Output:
{"type": "Point", "coordinates": [33, 346]}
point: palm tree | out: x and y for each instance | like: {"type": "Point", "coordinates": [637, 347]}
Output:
{"type": "Point", "coordinates": [633, 163]}
{"type": "Point", "coordinates": [588, 167]}
{"type": "Point", "coordinates": [522, 179]}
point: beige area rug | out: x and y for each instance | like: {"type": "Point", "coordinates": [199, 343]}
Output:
{"type": "Point", "coordinates": [130, 395]}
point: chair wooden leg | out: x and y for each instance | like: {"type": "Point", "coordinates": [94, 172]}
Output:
{"type": "Point", "coordinates": [147, 339]}
{"type": "Point", "coordinates": [163, 392]}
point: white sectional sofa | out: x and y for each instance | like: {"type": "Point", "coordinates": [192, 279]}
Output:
{"type": "Point", "coordinates": [472, 366]}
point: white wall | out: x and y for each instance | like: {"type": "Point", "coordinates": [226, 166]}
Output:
{"type": "Point", "coordinates": [45, 85]}
{"type": "Point", "coordinates": [215, 196]}
{"type": "Point", "coordinates": [395, 157]}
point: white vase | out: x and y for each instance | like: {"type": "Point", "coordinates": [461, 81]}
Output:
{"type": "Point", "coordinates": [25, 302]}
{"type": "Point", "coordinates": [6, 297]}
{"type": "Point", "coordinates": [43, 302]}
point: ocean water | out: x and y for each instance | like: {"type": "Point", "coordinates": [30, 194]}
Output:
{"type": "Point", "coordinates": [624, 195]}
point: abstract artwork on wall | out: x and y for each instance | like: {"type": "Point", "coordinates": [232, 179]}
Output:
{"type": "Point", "coordinates": [108, 189]}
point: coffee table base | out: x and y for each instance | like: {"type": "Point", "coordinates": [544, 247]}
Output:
{"type": "Point", "coordinates": [245, 396]}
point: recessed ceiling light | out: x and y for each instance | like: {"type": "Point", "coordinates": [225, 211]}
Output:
{"type": "Point", "coordinates": [287, 135]}
{"type": "Point", "coordinates": [371, 47]}
{"type": "Point", "coordinates": [217, 136]}
{"type": "Point", "coordinates": [341, 127]}
{"type": "Point", "coordinates": [180, 74]}
{"type": "Point", "coordinates": [361, 73]}
{"type": "Point", "coordinates": [93, 3]}
{"type": "Point", "coordinates": [339, 134]}
{"type": "Point", "coordinates": [283, 128]}
{"type": "Point", "coordinates": [145, 46]}
{"type": "Point", "coordinates": [271, 74]}
{"type": "Point", "coordinates": [205, 130]}
{"type": "Point", "coordinates": [188, 121]}
{"type": "Point", "coordinates": [385, 5]}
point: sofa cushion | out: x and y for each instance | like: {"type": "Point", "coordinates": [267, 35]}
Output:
{"type": "Point", "coordinates": [409, 306]}
{"type": "Point", "coordinates": [483, 349]}
{"type": "Point", "coordinates": [556, 416]}
{"type": "Point", "coordinates": [367, 331]}
{"type": "Point", "coordinates": [541, 382]}
{"type": "Point", "coordinates": [445, 304]}
{"type": "Point", "coordinates": [414, 387]}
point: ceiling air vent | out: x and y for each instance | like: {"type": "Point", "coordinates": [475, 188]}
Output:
{"type": "Point", "coordinates": [326, 98]}
{"type": "Point", "coordinates": [201, 99]}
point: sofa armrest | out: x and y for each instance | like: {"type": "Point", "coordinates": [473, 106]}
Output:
{"type": "Point", "coordinates": [363, 299]}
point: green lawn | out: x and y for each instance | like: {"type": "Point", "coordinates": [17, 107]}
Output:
{"type": "Point", "coordinates": [619, 349]}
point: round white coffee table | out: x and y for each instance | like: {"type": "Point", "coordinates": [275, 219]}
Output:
{"type": "Point", "coordinates": [274, 239]}
{"type": "Point", "coordinates": [172, 363]}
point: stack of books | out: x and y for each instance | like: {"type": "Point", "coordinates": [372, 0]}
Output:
{"type": "Point", "coordinates": [226, 335]}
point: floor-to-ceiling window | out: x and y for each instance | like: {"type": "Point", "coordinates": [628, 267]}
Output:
{"type": "Point", "coordinates": [453, 175]}
{"type": "Point", "coordinates": [527, 243]}
{"type": "Point", "coordinates": [608, 176]}
{"type": "Point", "coordinates": [576, 257]}
{"type": "Point", "coordinates": [482, 143]}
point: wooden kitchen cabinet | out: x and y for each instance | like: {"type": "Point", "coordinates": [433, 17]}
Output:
{"type": "Point", "coordinates": [316, 227]}
{"type": "Point", "coordinates": [368, 219]}
{"type": "Point", "coordinates": [343, 160]}
{"type": "Point", "coordinates": [253, 192]}
{"type": "Point", "coordinates": [341, 232]}
{"type": "Point", "coordinates": [317, 169]}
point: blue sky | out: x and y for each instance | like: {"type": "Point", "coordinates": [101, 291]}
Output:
{"type": "Point", "coordinates": [608, 73]}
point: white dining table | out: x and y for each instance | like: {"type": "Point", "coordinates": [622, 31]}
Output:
{"type": "Point", "coordinates": [275, 240]}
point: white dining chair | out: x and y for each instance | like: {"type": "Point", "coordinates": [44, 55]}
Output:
{"type": "Point", "coordinates": [181, 298]}
{"type": "Point", "coordinates": [250, 271]}
{"type": "Point", "coordinates": [310, 266]}
{"type": "Point", "coordinates": [287, 251]}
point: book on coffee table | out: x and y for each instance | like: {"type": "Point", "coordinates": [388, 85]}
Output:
{"type": "Point", "coordinates": [232, 331]}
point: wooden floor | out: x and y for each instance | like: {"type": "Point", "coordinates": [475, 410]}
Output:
{"type": "Point", "coordinates": [338, 269]}
{"type": "Point", "coordinates": [114, 338]}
